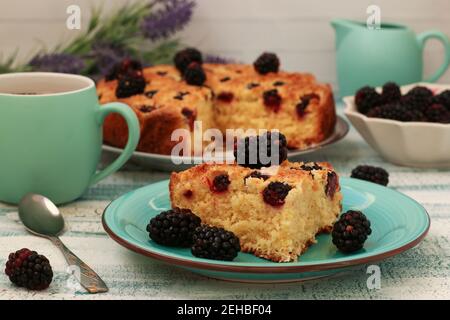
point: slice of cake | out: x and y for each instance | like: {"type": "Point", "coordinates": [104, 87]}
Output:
{"type": "Point", "coordinates": [276, 212]}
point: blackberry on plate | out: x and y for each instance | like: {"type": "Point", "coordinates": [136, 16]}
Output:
{"type": "Point", "coordinates": [351, 231]}
{"type": "Point", "coordinates": [391, 92]}
{"type": "Point", "coordinates": [194, 74]}
{"type": "Point", "coordinates": [372, 174]}
{"type": "Point", "coordinates": [366, 98]}
{"type": "Point", "coordinates": [418, 98]}
{"type": "Point", "coordinates": [396, 111]}
{"type": "Point", "coordinates": [28, 269]}
{"type": "Point", "coordinates": [215, 243]}
{"type": "Point", "coordinates": [275, 193]}
{"type": "Point", "coordinates": [174, 227]}
{"type": "Point", "coordinates": [247, 150]}
{"type": "Point", "coordinates": [267, 62]}
{"type": "Point", "coordinates": [124, 68]}
{"type": "Point", "coordinates": [437, 113]}
{"type": "Point", "coordinates": [185, 57]}
{"type": "Point", "coordinates": [443, 98]}
{"type": "Point", "coordinates": [130, 86]}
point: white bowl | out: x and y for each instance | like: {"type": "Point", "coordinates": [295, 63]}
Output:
{"type": "Point", "coordinates": [412, 144]}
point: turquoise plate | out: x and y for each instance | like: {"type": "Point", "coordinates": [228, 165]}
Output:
{"type": "Point", "coordinates": [398, 224]}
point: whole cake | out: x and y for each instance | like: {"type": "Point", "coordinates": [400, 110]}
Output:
{"type": "Point", "coordinates": [223, 96]}
{"type": "Point", "coordinates": [276, 212]}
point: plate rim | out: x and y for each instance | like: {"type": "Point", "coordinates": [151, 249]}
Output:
{"type": "Point", "coordinates": [282, 268]}
{"type": "Point", "coordinates": [291, 153]}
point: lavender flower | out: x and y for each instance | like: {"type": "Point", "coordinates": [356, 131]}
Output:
{"type": "Point", "coordinates": [57, 62]}
{"type": "Point", "coordinates": [209, 58]}
{"type": "Point", "coordinates": [168, 20]}
{"type": "Point", "coordinates": [106, 56]}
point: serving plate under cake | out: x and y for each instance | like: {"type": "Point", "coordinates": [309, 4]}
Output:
{"type": "Point", "coordinates": [398, 224]}
{"type": "Point", "coordinates": [165, 162]}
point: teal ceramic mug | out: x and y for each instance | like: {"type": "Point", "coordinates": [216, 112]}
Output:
{"type": "Point", "coordinates": [51, 135]}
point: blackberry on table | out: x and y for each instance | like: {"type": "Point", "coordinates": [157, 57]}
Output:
{"type": "Point", "coordinates": [247, 150]}
{"type": "Point", "coordinates": [215, 243]}
{"type": "Point", "coordinates": [267, 62]}
{"type": "Point", "coordinates": [174, 227]}
{"type": "Point", "coordinates": [130, 86]}
{"type": "Point", "coordinates": [366, 98]}
{"type": "Point", "coordinates": [185, 57]}
{"type": "Point", "coordinates": [391, 93]}
{"type": "Point", "coordinates": [372, 174]}
{"type": "Point", "coordinates": [396, 111]}
{"type": "Point", "coordinates": [275, 193]}
{"type": "Point", "coordinates": [194, 74]}
{"type": "Point", "coordinates": [28, 269]}
{"type": "Point", "coordinates": [351, 231]}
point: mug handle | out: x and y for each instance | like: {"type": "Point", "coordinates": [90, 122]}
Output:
{"type": "Point", "coordinates": [423, 37]}
{"type": "Point", "coordinates": [133, 137]}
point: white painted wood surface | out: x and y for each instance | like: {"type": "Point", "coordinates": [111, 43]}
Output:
{"type": "Point", "coordinates": [298, 30]}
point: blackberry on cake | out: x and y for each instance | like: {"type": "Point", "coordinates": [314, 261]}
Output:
{"type": "Point", "coordinates": [130, 85]}
{"type": "Point", "coordinates": [391, 92]}
{"type": "Point", "coordinates": [185, 57]}
{"type": "Point", "coordinates": [267, 62]}
{"type": "Point", "coordinates": [194, 74]}
{"type": "Point", "coordinates": [124, 68]}
{"type": "Point", "coordinates": [372, 174]}
{"type": "Point", "coordinates": [173, 228]}
{"type": "Point", "coordinates": [247, 151]}
{"type": "Point", "coordinates": [275, 213]}
{"type": "Point", "coordinates": [215, 243]}
{"type": "Point", "coordinates": [28, 269]}
{"type": "Point", "coordinates": [351, 231]}
{"type": "Point", "coordinates": [367, 98]}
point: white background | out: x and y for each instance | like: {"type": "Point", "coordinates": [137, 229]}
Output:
{"type": "Point", "coordinates": [298, 30]}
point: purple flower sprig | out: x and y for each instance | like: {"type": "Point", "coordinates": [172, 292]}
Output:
{"type": "Point", "coordinates": [57, 62]}
{"type": "Point", "coordinates": [173, 17]}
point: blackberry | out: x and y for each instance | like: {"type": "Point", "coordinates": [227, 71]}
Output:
{"type": "Point", "coordinates": [396, 111]}
{"type": "Point", "coordinates": [418, 98]}
{"type": "Point", "coordinates": [28, 269]}
{"type": "Point", "coordinates": [351, 231]}
{"type": "Point", "coordinates": [391, 92]}
{"type": "Point", "coordinates": [310, 166]}
{"type": "Point", "coordinates": [215, 243]}
{"type": "Point", "coordinates": [247, 151]}
{"type": "Point", "coordinates": [443, 98]}
{"type": "Point", "coordinates": [272, 99]}
{"type": "Point", "coordinates": [332, 184]}
{"type": "Point", "coordinates": [372, 174]}
{"type": "Point", "coordinates": [275, 193]}
{"type": "Point", "coordinates": [130, 86]}
{"type": "Point", "coordinates": [304, 103]}
{"type": "Point", "coordinates": [124, 68]}
{"type": "Point", "coordinates": [194, 74]}
{"type": "Point", "coordinates": [185, 57]}
{"type": "Point", "coordinates": [366, 98]}
{"type": "Point", "coordinates": [225, 97]}
{"type": "Point", "coordinates": [174, 227]}
{"type": "Point", "coordinates": [267, 62]}
{"type": "Point", "coordinates": [437, 113]}
{"type": "Point", "coordinates": [220, 183]}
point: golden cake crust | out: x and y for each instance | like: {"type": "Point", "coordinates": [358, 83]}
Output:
{"type": "Point", "coordinates": [161, 113]}
{"type": "Point", "coordinates": [242, 210]}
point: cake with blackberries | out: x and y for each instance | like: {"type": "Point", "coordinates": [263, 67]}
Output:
{"type": "Point", "coordinates": [275, 211]}
{"type": "Point", "coordinates": [222, 96]}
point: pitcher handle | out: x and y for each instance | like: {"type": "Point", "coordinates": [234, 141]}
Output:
{"type": "Point", "coordinates": [423, 37]}
{"type": "Point", "coordinates": [133, 137]}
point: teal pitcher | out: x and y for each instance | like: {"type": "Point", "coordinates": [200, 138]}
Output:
{"type": "Point", "coordinates": [374, 56]}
